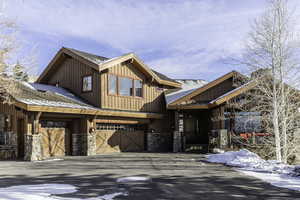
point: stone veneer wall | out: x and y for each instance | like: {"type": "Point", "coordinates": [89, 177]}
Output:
{"type": "Point", "coordinates": [177, 141]}
{"type": "Point", "coordinates": [91, 144]}
{"type": "Point", "coordinates": [84, 144]}
{"type": "Point", "coordinates": [158, 142]}
{"type": "Point", "coordinates": [33, 150]}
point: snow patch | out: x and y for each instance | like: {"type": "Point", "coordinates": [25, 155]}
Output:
{"type": "Point", "coordinates": [49, 160]}
{"type": "Point", "coordinates": [133, 179]}
{"type": "Point", "coordinates": [249, 163]}
{"type": "Point", "coordinates": [46, 192]}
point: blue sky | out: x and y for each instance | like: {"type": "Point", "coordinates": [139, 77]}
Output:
{"type": "Point", "coordinates": [183, 39]}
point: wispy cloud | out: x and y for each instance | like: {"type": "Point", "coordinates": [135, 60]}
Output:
{"type": "Point", "coordinates": [179, 38]}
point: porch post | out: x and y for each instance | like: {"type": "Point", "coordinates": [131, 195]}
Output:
{"type": "Point", "coordinates": [90, 136]}
{"type": "Point", "coordinates": [178, 139]}
{"type": "Point", "coordinates": [33, 149]}
{"type": "Point", "coordinates": [218, 137]}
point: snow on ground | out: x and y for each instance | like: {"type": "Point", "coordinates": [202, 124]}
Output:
{"type": "Point", "coordinates": [132, 179]}
{"type": "Point", "coordinates": [273, 172]}
{"type": "Point", "coordinates": [46, 192]}
{"type": "Point", "coordinates": [49, 160]}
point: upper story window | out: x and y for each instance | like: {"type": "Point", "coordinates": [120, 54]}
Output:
{"type": "Point", "coordinates": [138, 86]}
{"type": "Point", "coordinates": [112, 84]}
{"type": "Point", "coordinates": [87, 83]}
{"type": "Point", "coordinates": [126, 86]}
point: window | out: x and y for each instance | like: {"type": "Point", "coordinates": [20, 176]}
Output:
{"type": "Point", "coordinates": [53, 124]}
{"type": "Point", "coordinates": [5, 136]}
{"type": "Point", "coordinates": [120, 127]}
{"type": "Point", "coordinates": [138, 86]}
{"type": "Point", "coordinates": [87, 84]}
{"type": "Point", "coordinates": [112, 84]}
{"type": "Point", "coordinates": [126, 86]}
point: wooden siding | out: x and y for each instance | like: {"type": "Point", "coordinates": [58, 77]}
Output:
{"type": "Point", "coordinates": [152, 101]}
{"type": "Point", "coordinates": [108, 141]}
{"type": "Point", "coordinates": [69, 75]}
{"type": "Point", "coordinates": [214, 92]}
{"type": "Point", "coordinates": [55, 142]}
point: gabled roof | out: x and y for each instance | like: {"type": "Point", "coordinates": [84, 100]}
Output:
{"type": "Point", "coordinates": [100, 63]}
{"type": "Point", "coordinates": [204, 88]}
{"type": "Point", "coordinates": [48, 98]}
{"type": "Point", "coordinates": [188, 86]}
{"type": "Point", "coordinates": [219, 100]}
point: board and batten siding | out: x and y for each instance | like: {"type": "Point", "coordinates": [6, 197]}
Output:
{"type": "Point", "coordinates": [152, 100]}
{"type": "Point", "coordinates": [69, 76]}
{"type": "Point", "coordinates": [215, 91]}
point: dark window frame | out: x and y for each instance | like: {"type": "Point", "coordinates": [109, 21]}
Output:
{"type": "Point", "coordinates": [82, 85]}
{"type": "Point", "coordinates": [118, 86]}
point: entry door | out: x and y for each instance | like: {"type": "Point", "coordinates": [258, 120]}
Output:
{"type": "Point", "coordinates": [20, 135]}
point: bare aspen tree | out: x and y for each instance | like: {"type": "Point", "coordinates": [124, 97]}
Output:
{"type": "Point", "coordinates": [12, 64]}
{"type": "Point", "coordinates": [272, 53]}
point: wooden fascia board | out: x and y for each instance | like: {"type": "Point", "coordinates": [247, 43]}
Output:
{"type": "Point", "coordinates": [234, 94]}
{"type": "Point", "coordinates": [144, 68]}
{"type": "Point", "coordinates": [188, 107]}
{"type": "Point", "coordinates": [58, 55]}
{"type": "Point", "coordinates": [204, 88]}
{"type": "Point", "coordinates": [21, 105]}
{"type": "Point", "coordinates": [81, 59]}
{"type": "Point", "coordinates": [52, 109]}
{"type": "Point", "coordinates": [49, 66]}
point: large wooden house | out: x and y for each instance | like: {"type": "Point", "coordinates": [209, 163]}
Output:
{"type": "Point", "coordinates": [84, 104]}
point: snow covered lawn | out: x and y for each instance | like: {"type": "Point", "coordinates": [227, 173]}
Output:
{"type": "Point", "coordinates": [251, 164]}
{"type": "Point", "coordinates": [46, 192]}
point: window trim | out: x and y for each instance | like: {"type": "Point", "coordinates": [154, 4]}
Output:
{"type": "Point", "coordinates": [118, 86]}
{"type": "Point", "coordinates": [82, 78]}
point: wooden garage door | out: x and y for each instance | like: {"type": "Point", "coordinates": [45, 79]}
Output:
{"type": "Point", "coordinates": [55, 142]}
{"type": "Point", "coordinates": [108, 141]}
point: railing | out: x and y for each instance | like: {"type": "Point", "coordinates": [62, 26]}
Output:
{"type": "Point", "coordinates": [5, 138]}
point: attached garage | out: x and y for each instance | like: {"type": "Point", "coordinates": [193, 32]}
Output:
{"type": "Point", "coordinates": [55, 139]}
{"type": "Point", "coordinates": [120, 138]}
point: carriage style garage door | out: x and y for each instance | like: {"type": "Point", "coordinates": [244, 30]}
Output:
{"type": "Point", "coordinates": [55, 138]}
{"type": "Point", "coordinates": [119, 138]}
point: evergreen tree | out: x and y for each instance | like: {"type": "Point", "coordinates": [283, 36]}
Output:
{"type": "Point", "coordinates": [19, 73]}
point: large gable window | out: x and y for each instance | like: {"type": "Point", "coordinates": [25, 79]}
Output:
{"type": "Point", "coordinates": [138, 87]}
{"type": "Point", "coordinates": [112, 84]}
{"type": "Point", "coordinates": [126, 86]}
{"type": "Point", "coordinates": [87, 83]}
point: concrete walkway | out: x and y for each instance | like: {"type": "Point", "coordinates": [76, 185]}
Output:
{"type": "Point", "coordinates": [172, 176]}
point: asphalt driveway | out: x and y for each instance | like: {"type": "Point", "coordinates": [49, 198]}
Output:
{"type": "Point", "coordinates": [171, 176]}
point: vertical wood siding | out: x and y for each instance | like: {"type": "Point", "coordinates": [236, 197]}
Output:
{"type": "Point", "coordinates": [152, 101]}
{"type": "Point", "coordinates": [69, 75]}
{"type": "Point", "coordinates": [215, 92]}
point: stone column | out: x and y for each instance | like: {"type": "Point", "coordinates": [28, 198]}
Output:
{"type": "Point", "coordinates": [178, 143]}
{"type": "Point", "coordinates": [89, 136]}
{"type": "Point", "coordinates": [91, 144]}
{"type": "Point", "coordinates": [33, 150]}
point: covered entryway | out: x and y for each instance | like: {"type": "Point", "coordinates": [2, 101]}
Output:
{"type": "Point", "coordinates": [196, 128]}
{"type": "Point", "coordinates": [119, 138]}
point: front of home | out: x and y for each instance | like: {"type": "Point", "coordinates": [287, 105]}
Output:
{"type": "Point", "coordinates": [84, 104]}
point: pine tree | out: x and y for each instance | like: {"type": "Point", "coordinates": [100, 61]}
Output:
{"type": "Point", "coordinates": [19, 73]}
